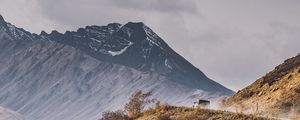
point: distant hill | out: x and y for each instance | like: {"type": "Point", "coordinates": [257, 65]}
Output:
{"type": "Point", "coordinates": [277, 93]}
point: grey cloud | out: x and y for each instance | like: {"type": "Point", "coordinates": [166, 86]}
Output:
{"type": "Point", "coordinates": [82, 12]}
{"type": "Point", "coordinates": [173, 6]}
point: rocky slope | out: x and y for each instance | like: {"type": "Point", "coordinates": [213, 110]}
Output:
{"type": "Point", "coordinates": [275, 93]}
{"type": "Point", "coordinates": [79, 74]}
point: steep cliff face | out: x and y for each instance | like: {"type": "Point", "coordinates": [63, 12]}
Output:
{"type": "Point", "coordinates": [78, 75]}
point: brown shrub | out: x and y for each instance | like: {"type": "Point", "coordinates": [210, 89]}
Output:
{"type": "Point", "coordinates": [137, 102]}
{"type": "Point", "coordinates": [117, 115]}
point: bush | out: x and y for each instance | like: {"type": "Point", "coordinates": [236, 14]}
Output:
{"type": "Point", "coordinates": [117, 115]}
{"type": "Point", "coordinates": [133, 108]}
{"type": "Point", "coordinates": [162, 107]}
{"type": "Point", "coordinates": [137, 102]}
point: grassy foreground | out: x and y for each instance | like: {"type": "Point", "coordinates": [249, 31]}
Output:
{"type": "Point", "coordinates": [134, 110]}
{"type": "Point", "coordinates": [167, 112]}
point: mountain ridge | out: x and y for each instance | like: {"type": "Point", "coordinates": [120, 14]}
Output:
{"type": "Point", "coordinates": [141, 36]}
{"type": "Point", "coordinates": [79, 74]}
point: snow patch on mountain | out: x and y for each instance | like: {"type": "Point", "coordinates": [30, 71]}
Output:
{"type": "Point", "coordinates": [114, 53]}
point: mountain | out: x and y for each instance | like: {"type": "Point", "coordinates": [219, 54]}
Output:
{"type": "Point", "coordinates": [6, 114]}
{"type": "Point", "coordinates": [79, 74]}
{"type": "Point", "coordinates": [278, 92]}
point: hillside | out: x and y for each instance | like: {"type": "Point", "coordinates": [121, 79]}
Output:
{"type": "Point", "coordinates": [278, 92]}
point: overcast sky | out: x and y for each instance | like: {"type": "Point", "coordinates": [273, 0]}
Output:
{"type": "Point", "coordinates": [234, 42]}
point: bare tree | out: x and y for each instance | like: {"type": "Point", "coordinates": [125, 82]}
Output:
{"type": "Point", "coordinates": [137, 102]}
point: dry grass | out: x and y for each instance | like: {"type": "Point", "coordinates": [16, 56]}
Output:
{"type": "Point", "coordinates": [167, 112]}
